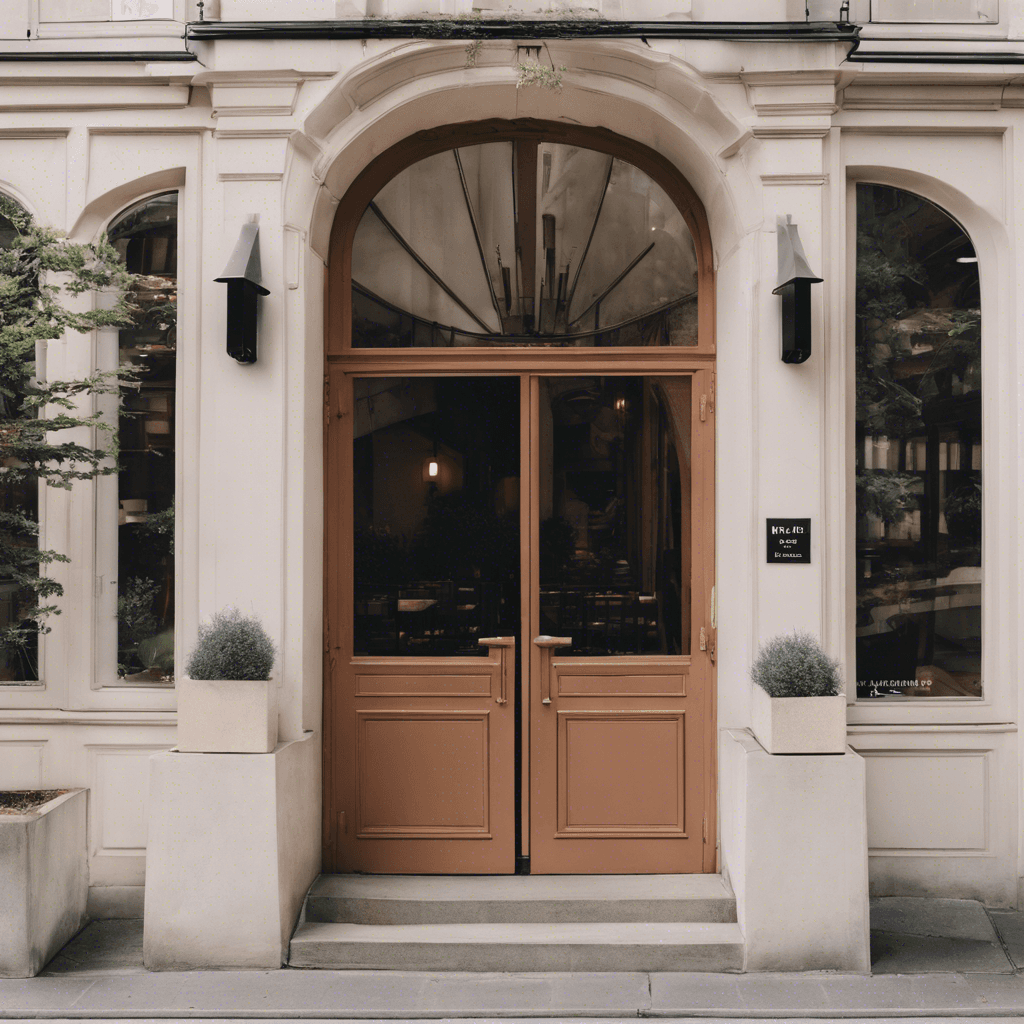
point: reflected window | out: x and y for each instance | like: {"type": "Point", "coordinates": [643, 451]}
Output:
{"type": "Point", "coordinates": [436, 510]}
{"type": "Point", "coordinates": [19, 519]}
{"type": "Point", "coordinates": [919, 451]}
{"type": "Point", "coordinates": [615, 513]}
{"type": "Point", "coordinates": [146, 236]}
{"type": "Point", "coordinates": [523, 243]}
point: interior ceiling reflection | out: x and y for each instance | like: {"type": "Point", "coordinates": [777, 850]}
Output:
{"type": "Point", "coordinates": [523, 242]}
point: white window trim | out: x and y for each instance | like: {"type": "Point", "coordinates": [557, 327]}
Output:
{"type": "Point", "coordinates": [999, 674]}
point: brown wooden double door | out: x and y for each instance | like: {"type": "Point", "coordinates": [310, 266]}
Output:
{"type": "Point", "coordinates": [521, 635]}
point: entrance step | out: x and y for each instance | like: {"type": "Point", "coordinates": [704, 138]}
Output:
{"type": "Point", "coordinates": [523, 899]}
{"type": "Point", "coordinates": [519, 923]}
{"type": "Point", "coordinates": [519, 947]}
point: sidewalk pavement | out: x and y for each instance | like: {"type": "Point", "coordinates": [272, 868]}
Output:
{"type": "Point", "coordinates": [931, 959]}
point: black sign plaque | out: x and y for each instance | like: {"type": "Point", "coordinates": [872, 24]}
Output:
{"type": "Point", "coordinates": [789, 540]}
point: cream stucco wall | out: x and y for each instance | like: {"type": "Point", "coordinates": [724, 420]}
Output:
{"type": "Point", "coordinates": [758, 129]}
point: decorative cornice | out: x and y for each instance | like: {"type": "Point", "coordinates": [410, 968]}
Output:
{"type": "Point", "coordinates": [865, 94]}
{"type": "Point", "coordinates": [794, 179]}
{"type": "Point", "coordinates": [786, 131]}
{"type": "Point", "coordinates": [249, 176]}
{"type": "Point", "coordinates": [34, 133]}
{"type": "Point", "coordinates": [149, 129]}
{"type": "Point", "coordinates": [99, 718]}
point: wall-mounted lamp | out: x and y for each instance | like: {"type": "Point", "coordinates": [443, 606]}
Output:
{"type": "Point", "coordinates": [243, 277]}
{"type": "Point", "coordinates": [795, 280]}
{"type": "Point", "coordinates": [433, 469]}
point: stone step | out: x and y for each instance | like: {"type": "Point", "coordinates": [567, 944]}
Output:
{"type": "Point", "coordinates": [661, 946]}
{"type": "Point", "coordinates": [523, 899]}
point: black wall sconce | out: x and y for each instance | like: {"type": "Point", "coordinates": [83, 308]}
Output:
{"type": "Point", "coordinates": [243, 277]}
{"type": "Point", "coordinates": [795, 280]}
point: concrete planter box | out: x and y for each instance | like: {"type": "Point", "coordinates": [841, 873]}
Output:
{"type": "Point", "coordinates": [799, 725]}
{"type": "Point", "coordinates": [44, 883]}
{"type": "Point", "coordinates": [227, 716]}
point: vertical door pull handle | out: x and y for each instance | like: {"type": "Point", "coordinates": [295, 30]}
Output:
{"type": "Point", "coordinates": [508, 661]}
{"type": "Point", "coordinates": [547, 644]}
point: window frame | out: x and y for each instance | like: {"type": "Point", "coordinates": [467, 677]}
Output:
{"type": "Point", "coordinates": [106, 556]}
{"type": "Point", "coordinates": [997, 704]}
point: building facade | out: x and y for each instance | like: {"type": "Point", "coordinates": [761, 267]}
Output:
{"type": "Point", "coordinates": [518, 378]}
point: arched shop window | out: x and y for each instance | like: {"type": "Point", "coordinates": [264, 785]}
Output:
{"type": "Point", "coordinates": [919, 451]}
{"type": "Point", "coordinates": [523, 243]}
{"type": "Point", "coordinates": [146, 235]}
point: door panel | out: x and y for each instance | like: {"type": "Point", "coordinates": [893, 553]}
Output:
{"type": "Point", "coordinates": [426, 691]}
{"type": "Point", "coordinates": [432, 770]}
{"type": "Point", "coordinates": [620, 691]}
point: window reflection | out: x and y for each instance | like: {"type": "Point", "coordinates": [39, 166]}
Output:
{"type": "Point", "coordinates": [523, 243]}
{"type": "Point", "coordinates": [436, 510]}
{"type": "Point", "coordinates": [919, 450]}
{"type": "Point", "coordinates": [615, 513]}
{"type": "Point", "coordinates": [147, 238]}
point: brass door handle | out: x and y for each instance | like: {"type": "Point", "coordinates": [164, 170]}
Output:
{"type": "Point", "coordinates": [547, 644]}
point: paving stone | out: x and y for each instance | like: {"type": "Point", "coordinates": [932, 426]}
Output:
{"type": "Point", "coordinates": [676, 994]}
{"type": "Point", "coordinates": [997, 991]}
{"type": "Point", "coordinates": [782, 992]}
{"type": "Point", "coordinates": [1010, 926]}
{"type": "Point", "coordinates": [913, 915]}
{"type": "Point", "coordinates": [921, 954]}
{"type": "Point", "coordinates": [869, 993]}
{"type": "Point", "coordinates": [944, 990]}
{"type": "Point", "coordinates": [582, 993]}
{"type": "Point", "coordinates": [103, 946]}
{"type": "Point", "coordinates": [342, 992]}
{"type": "Point", "coordinates": [41, 993]}
{"type": "Point", "coordinates": [131, 994]}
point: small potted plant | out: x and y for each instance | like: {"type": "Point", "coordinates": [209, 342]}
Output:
{"type": "Point", "coordinates": [797, 705]}
{"type": "Point", "coordinates": [227, 701]}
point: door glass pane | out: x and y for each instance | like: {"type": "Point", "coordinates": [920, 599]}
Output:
{"type": "Point", "coordinates": [615, 513]}
{"type": "Point", "coordinates": [919, 451]}
{"type": "Point", "coordinates": [436, 513]}
{"type": "Point", "coordinates": [523, 243]}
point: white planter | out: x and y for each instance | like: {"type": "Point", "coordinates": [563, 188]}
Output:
{"type": "Point", "coordinates": [798, 725]}
{"type": "Point", "coordinates": [227, 716]}
{"type": "Point", "coordinates": [44, 883]}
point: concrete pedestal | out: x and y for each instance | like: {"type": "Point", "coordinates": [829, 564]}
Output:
{"type": "Point", "coordinates": [234, 843]}
{"type": "Point", "coordinates": [794, 846]}
{"type": "Point", "coordinates": [44, 883]}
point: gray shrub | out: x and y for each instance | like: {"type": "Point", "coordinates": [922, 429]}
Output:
{"type": "Point", "coordinates": [794, 665]}
{"type": "Point", "coordinates": [231, 646]}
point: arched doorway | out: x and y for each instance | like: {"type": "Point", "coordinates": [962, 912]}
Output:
{"type": "Point", "coordinates": [520, 509]}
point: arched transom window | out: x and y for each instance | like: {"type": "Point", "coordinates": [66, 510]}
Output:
{"type": "Point", "coordinates": [523, 243]}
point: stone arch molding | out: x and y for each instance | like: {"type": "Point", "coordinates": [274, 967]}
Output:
{"type": "Point", "coordinates": [986, 231]}
{"type": "Point", "coordinates": [624, 87]}
{"type": "Point", "coordinates": [12, 192]}
{"type": "Point", "coordinates": [100, 210]}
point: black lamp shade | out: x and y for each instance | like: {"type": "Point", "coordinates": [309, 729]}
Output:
{"type": "Point", "coordinates": [796, 320]}
{"type": "Point", "coordinates": [242, 301]}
